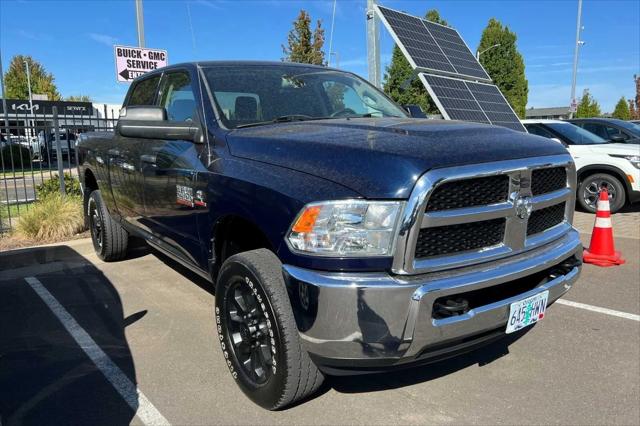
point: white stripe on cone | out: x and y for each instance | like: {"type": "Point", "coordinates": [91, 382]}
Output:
{"type": "Point", "coordinates": [603, 205]}
{"type": "Point", "coordinates": [603, 222]}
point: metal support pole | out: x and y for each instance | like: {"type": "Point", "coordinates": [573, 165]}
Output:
{"type": "Point", "coordinates": [5, 113]}
{"type": "Point", "coordinates": [373, 44]}
{"type": "Point", "coordinates": [575, 56]}
{"type": "Point", "coordinates": [30, 132]}
{"type": "Point", "coordinates": [58, 142]}
{"type": "Point", "coordinates": [140, 23]}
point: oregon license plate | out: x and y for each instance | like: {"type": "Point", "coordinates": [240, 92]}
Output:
{"type": "Point", "coordinates": [525, 312]}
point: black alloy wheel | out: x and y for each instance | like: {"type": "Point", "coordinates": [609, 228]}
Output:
{"type": "Point", "coordinates": [248, 332]}
{"type": "Point", "coordinates": [96, 225]}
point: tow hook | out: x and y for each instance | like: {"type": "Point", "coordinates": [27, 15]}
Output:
{"type": "Point", "coordinates": [450, 308]}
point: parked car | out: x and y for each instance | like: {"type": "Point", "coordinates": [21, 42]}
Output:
{"type": "Point", "coordinates": [611, 129]}
{"type": "Point", "coordinates": [343, 235]}
{"type": "Point", "coordinates": [599, 163]}
{"type": "Point", "coordinates": [49, 151]}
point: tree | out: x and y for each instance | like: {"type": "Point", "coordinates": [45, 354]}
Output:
{"type": "Point", "coordinates": [634, 104]}
{"type": "Point", "coordinates": [504, 64]}
{"type": "Point", "coordinates": [15, 79]}
{"type": "Point", "coordinates": [622, 110]}
{"type": "Point", "coordinates": [79, 98]}
{"type": "Point", "coordinates": [588, 107]}
{"type": "Point", "coordinates": [400, 83]}
{"type": "Point", "coordinates": [305, 46]}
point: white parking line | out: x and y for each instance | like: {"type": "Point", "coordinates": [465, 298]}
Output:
{"type": "Point", "coordinates": [146, 412]}
{"type": "Point", "coordinates": [605, 311]}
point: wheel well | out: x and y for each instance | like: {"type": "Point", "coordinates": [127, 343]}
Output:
{"type": "Point", "coordinates": [233, 235]}
{"type": "Point", "coordinates": [90, 182]}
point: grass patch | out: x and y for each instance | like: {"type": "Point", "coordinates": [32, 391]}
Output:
{"type": "Point", "coordinates": [52, 218]}
{"type": "Point", "coordinates": [13, 210]}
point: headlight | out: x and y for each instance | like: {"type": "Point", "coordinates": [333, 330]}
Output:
{"type": "Point", "coordinates": [633, 159]}
{"type": "Point", "coordinates": [350, 228]}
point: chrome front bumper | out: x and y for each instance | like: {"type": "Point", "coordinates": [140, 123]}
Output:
{"type": "Point", "coordinates": [352, 320]}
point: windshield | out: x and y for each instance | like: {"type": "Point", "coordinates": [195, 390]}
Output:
{"type": "Point", "coordinates": [576, 135]}
{"type": "Point", "coordinates": [261, 94]}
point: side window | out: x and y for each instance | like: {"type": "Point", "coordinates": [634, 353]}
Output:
{"type": "Point", "coordinates": [144, 93]}
{"type": "Point", "coordinates": [611, 131]}
{"type": "Point", "coordinates": [597, 129]}
{"type": "Point", "coordinates": [177, 97]}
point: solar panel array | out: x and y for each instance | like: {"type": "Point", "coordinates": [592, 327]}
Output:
{"type": "Point", "coordinates": [432, 47]}
{"type": "Point", "coordinates": [471, 101]}
{"type": "Point", "coordinates": [446, 67]}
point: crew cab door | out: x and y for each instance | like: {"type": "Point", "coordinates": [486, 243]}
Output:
{"type": "Point", "coordinates": [124, 157]}
{"type": "Point", "coordinates": [170, 170]}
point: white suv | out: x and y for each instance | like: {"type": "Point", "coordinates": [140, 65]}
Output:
{"type": "Point", "coordinates": [599, 163]}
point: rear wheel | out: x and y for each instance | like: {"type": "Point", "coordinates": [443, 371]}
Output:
{"type": "Point", "coordinates": [109, 237]}
{"type": "Point", "coordinates": [590, 188]}
{"type": "Point", "coordinates": [258, 334]}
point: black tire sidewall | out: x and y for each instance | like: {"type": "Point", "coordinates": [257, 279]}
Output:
{"type": "Point", "coordinates": [616, 204]}
{"type": "Point", "coordinates": [268, 394]}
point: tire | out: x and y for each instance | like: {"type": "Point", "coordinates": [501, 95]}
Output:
{"type": "Point", "coordinates": [252, 283]}
{"type": "Point", "coordinates": [590, 187]}
{"type": "Point", "coordinates": [109, 238]}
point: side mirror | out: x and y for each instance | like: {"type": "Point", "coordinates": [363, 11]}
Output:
{"type": "Point", "coordinates": [559, 141]}
{"type": "Point", "coordinates": [150, 122]}
{"type": "Point", "coordinates": [618, 138]}
{"type": "Point", "coordinates": [414, 111]}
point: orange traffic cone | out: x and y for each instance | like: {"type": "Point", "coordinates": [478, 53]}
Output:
{"type": "Point", "coordinates": [602, 251]}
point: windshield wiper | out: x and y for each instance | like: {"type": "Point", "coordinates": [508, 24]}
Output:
{"type": "Point", "coordinates": [283, 119]}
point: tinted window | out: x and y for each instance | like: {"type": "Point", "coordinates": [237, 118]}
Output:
{"type": "Point", "coordinates": [536, 129]}
{"type": "Point", "coordinates": [144, 93]}
{"type": "Point", "coordinates": [177, 97]}
{"type": "Point", "coordinates": [597, 129]}
{"type": "Point", "coordinates": [575, 135]}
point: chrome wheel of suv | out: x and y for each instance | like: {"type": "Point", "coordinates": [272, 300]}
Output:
{"type": "Point", "coordinates": [589, 192]}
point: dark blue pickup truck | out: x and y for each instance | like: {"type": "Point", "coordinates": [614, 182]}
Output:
{"type": "Point", "coordinates": [343, 236]}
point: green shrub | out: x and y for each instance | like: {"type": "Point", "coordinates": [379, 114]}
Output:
{"type": "Point", "coordinates": [52, 218]}
{"type": "Point", "coordinates": [52, 186]}
{"type": "Point", "coordinates": [21, 156]}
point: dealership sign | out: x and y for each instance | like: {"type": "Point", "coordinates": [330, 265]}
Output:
{"type": "Point", "coordinates": [132, 62]}
{"type": "Point", "coordinates": [21, 107]}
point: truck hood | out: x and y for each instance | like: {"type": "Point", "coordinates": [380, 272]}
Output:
{"type": "Point", "coordinates": [382, 158]}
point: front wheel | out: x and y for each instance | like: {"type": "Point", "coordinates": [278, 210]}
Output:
{"type": "Point", "coordinates": [590, 187]}
{"type": "Point", "coordinates": [258, 334]}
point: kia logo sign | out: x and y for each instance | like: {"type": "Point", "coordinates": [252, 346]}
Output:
{"type": "Point", "coordinates": [24, 107]}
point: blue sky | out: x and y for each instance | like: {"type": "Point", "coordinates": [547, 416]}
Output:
{"type": "Point", "coordinates": [73, 39]}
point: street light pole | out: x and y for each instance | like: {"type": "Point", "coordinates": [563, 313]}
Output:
{"type": "Point", "coordinates": [140, 23]}
{"type": "Point", "coordinates": [373, 44]}
{"type": "Point", "coordinates": [488, 48]}
{"type": "Point", "coordinates": [575, 58]}
{"type": "Point", "coordinates": [26, 64]}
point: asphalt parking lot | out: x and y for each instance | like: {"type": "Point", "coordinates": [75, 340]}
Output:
{"type": "Point", "coordinates": [83, 341]}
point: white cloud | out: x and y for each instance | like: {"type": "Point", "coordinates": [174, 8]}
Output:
{"type": "Point", "coordinates": [105, 39]}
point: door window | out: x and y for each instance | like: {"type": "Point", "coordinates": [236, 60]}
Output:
{"type": "Point", "coordinates": [539, 130]}
{"type": "Point", "coordinates": [597, 129]}
{"type": "Point", "coordinates": [177, 97]}
{"type": "Point", "coordinates": [145, 92]}
{"type": "Point", "coordinates": [612, 131]}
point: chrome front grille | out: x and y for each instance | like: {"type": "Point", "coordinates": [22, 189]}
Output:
{"type": "Point", "coordinates": [470, 214]}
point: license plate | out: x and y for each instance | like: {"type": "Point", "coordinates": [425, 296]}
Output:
{"type": "Point", "coordinates": [526, 312]}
